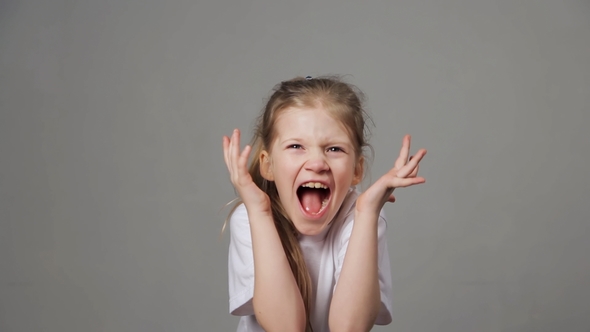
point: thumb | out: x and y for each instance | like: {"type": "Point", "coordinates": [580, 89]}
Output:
{"type": "Point", "coordinates": [391, 199]}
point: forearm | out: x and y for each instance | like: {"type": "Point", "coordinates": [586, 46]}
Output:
{"type": "Point", "coordinates": [356, 299]}
{"type": "Point", "coordinates": [277, 301]}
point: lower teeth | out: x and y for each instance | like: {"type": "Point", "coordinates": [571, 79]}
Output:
{"type": "Point", "coordinates": [324, 204]}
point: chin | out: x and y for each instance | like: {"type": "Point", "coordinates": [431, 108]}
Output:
{"type": "Point", "coordinates": [310, 230]}
{"type": "Point", "coordinates": [313, 226]}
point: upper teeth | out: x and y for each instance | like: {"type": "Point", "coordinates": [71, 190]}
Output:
{"type": "Point", "coordinates": [314, 185]}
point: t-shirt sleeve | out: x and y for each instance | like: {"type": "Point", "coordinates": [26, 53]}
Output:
{"type": "Point", "coordinates": [384, 269]}
{"type": "Point", "coordinates": [240, 264]}
{"type": "Point", "coordinates": [385, 283]}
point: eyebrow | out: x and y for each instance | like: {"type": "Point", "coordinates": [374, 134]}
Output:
{"type": "Point", "coordinates": [299, 140]}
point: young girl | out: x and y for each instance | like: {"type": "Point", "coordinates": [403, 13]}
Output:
{"type": "Point", "coordinates": [308, 252]}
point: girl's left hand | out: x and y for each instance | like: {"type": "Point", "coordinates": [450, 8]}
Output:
{"type": "Point", "coordinates": [403, 174]}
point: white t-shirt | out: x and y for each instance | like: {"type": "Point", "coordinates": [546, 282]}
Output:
{"type": "Point", "coordinates": [324, 255]}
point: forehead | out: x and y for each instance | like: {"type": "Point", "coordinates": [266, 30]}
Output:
{"type": "Point", "coordinates": [309, 121]}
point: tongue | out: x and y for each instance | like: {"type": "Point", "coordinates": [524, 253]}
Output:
{"type": "Point", "coordinates": [311, 200]}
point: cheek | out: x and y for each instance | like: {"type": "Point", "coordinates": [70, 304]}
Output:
{"type": "Point", "coordinates": [344, 167]}
{"type": "Point", "coordinates": [287, 162]}
{"type": "Point", "coordinates": [285, 173]}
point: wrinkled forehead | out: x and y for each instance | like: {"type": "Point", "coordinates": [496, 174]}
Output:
{"type": "Point", "coordinates": [288, 120]}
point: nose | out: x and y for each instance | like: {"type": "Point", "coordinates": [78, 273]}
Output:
{"type": "Point", "coordinates": [317, 163]}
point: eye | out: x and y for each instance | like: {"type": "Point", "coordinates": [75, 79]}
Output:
{"type": "Point", "coordinates": [335, 149]}
{"type": "Point", "coordinates": [294, 146]}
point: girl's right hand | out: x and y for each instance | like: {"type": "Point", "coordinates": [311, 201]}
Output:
{"type": "Point", "coordinates": [253, 197]}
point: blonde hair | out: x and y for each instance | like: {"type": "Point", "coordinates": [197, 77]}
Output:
{"type": "Point", "coordinates": [344, 102]}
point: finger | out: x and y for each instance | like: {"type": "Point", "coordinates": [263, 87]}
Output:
{"type": "Point", "coordinates": [402, 159]}
{"type": "Point", "coordinates": [235, 151]}
{"type": "Point", "coordinates": [225, 147]}
{"type": "Point", "coordinates": [243, 161]}
{"type": "Point", "coordinates": [414, 172]}
{"type": "Point", "coordinates": [230, 158]}
{"type": "Point", "coordinates": [226, 143]}
{"type": "Point", "coordinates": [411, 165]}
{"type": "Point", "coordinates": [406, 182]}
{"type": "Point", "coordinates": [228, 154]}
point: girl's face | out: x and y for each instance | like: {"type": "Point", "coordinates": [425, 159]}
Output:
{"type": "Point", "coordinates": [313, 164]}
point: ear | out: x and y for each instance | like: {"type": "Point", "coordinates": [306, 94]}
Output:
{"type": "Point", "coordinates": [265, 169]}
{"type": "Point", "coordinates": [358, 171]}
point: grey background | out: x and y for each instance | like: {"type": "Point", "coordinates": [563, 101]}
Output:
{"type": "Point", "coordinates": [112, 178]}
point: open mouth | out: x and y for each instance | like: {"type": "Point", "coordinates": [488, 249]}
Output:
{"type": "Point", "coordinates": [313, 197]}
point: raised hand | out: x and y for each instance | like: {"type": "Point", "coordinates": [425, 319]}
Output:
{"type": "Point", "coordinates": [403, 174]}
{"type": "Point", "coordinates": [252, 196]}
